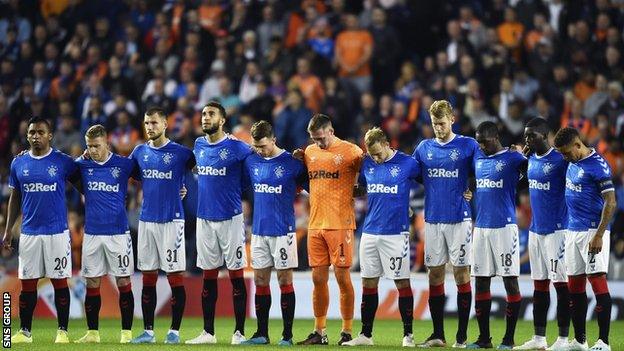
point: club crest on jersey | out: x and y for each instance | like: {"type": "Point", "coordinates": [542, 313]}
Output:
{"type": "Point", "coordinates": [224, 153]}
{"type": "Point", "coordinates": [394, 171]}
{"type": "Point", "coordinates": [115, 171]}
{"type": "Point", "coordinates": [167, 158]}
{"type": "Point", "coordinates": [580, 173]}
{"type": "Point", "coordinates": [90, 171]}
{"type": "Point", "coordinates": [52, 171]}
{"type": "Point", "coordinates": [25, 172]}
{"type": "Point", "coordinates": [279, 171]}
{"type": "Point", "coordinates": [546, 168]}
{"type": "Point", "coordinates": [454, 155]}
{"type": "Point", "coordinates": [500, 165]}
{"type": "Point", "coordinates": [338, 159]}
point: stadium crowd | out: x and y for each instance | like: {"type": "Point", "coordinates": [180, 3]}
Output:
{"type": "Point", "coordinates": [365, 63]}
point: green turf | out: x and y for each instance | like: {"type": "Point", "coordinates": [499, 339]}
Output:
{"type": "Point", "coordinates": [387, 334]}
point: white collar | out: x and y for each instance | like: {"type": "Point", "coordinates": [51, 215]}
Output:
{"type": "Point", "coordinates": [225, 136]}
{"type": "Point", "coordinates": [546, 154]}
{"type": "Point", "coordinates": [110, 155]}
{"type": "Point", "coordinates": [444, 143]}
{"type": "Point", "coordinates": [39, 157]}
{"type": "Point", "coordinates": [276, 156]}
{"type": "Point", "coordinates": [150, 144]}
{"type": "Point", "coordinates": [500, 152]}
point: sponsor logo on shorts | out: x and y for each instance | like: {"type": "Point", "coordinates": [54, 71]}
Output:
{"type": "Point", "coordinates": [211, 171]}
{"type": "Point", "coordinates": [489, 184]}
{"type": "Point", "coordinates": [39, 187]}
{"type": "Point", "coordinates": [382, 189]}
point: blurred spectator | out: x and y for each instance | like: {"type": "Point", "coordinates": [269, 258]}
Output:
{"type": "Point", "coordinates": [124, 137]}
{"type": "Point", "coordinates": [309, 85]}
{"type": "Point", "coordinates": [292, 123]}
{"type": "Point", "coordinates": [66, 134]}
{"type": "Point", "coordinates": [354, 47]}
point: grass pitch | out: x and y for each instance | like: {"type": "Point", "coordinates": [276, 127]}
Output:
{"type": "Point", "coordinates": [386, 334]}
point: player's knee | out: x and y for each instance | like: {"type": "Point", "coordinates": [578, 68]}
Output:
{"type": "Point", "coordinates": [261, 280]}
{"type": "Point", "coordinates": [370, 283]}
{"type": "Point", "coordinates": [436, 275]}
{"type": "Point", "coordinates": [93, 282]}
{"type": "Point", "coordinates": [123, 281]}
{"type": "Point", "coordinates": [343, 276]}
{"type": "Point", "coordinates": [319, 276]}
{"type": "Point", "coordinates": [150, 278]}
{"type": "Point", "coordinates": [284, 277]}
{"type": "Point", "coordinates": [482, 284]}
{"type": "Point", "coordinates": [598, 283]}
{"type": "Point", "coordinates": [511, 285]}
{"type": "Point", "coordinates": [59, 283]}
{"type": "Point", "coordinates": [461, 274]}
{"type": "Point", "coordinates": [402, 283]}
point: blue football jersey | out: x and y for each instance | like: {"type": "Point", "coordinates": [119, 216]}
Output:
{"type": "Point", "coordinates": [162, 172]}
{"type": "Point", "coordinates": [219, 177]}
{"type": "Point", "coordinates": [586, 180]}
{"type": "Point", "coordinates": [445, 169]}
{"type": "Point", "coordinates": [274, 184]}
{"type": "Point", "coordinates": [41, 182]}
{"type": "Point", "coordinates": [105, 185]}
{"type": "Point", "coordinates": [546, 175]}
{"type": "Point", "coordinates": [495, 195]}
{"type": "Point", "coordinates": [388, 187]}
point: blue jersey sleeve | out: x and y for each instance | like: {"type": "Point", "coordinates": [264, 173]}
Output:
{"type": "Point", "coordinates": [13, 181]}
{"type": "Point", "coordinates": [190, 163]}
{"type": "Point", "coordinates": [601, 174]}
{"type": "Point", "coordinates": [244, 151]}
{"type": "Point", "coordinates": [416, 154]}
{"type": "Point", "coordinates": [245, 175]}
{"type": "Point", "coordinates": [476, 153]}
{"type": "Point", "coordinates": [415, 169]}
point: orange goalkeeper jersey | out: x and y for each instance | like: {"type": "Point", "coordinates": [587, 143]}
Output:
{"type": "Point", "coordinates": [332, 175]}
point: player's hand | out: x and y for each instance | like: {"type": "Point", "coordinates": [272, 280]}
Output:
{"type": "Point", "coordinates": [86, 155]}
{"type": "Point", "coordinates": [183, 192]}
{"type": "Point", "coordinates": [298, 154]}
{"type": "Point", "coordinates": [595, 245]}
{"type": "Point", "coordinates": [526, 150]}
{"type": "Point", "coordinates": [6, 241]}
{"type": "Point", "coordinates": [468, 195]}
{"type": "Point", "coordinates": [513, 147]}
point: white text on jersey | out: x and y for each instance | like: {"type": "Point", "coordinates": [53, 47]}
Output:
{"type": "Point", "coordinates": [534, 184]}
{"type": "Point", "coordinates": [488, 183]}
{"type": "Point", "coordinates": [266, 188]}
{"type": "Point", "coordinates": [156, 174]}
{"type": "Point", "coordinates": [382, 189]}
{"type": "Point", "coordinates": [570, 185]}
{"type": "Point", "coordinates": [101, 186]}
{"type": "Point", "coordinates": [39, 187]}
{"type": "Point", "coordinates": [211, 171]}
{"type": "Point", "coordinates": [442, 173]}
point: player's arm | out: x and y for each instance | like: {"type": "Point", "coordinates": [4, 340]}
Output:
{"type": "Point", "coordinates": [13, 209]}
{"type": "Point", "coordinates": [76, 181]}
{"type": "Point", "coordinates": [608, 210]}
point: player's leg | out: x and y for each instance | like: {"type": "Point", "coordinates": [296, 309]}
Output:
{"type": "Point", "coordinates": [287, 301]}
{"type": "Point", "coordinates": [31, 267]}
{"type": "Point", "coordinates": [483, 269]}
{"type": "Point", "coordinates": [556, 253]}
{"type": "Point", "coordinates": [436, 257]}
{"type": "Point", "coordinates": [209, 259]}
{"type": "Point", "coordinates": [319, 260]}
{"type": "Point", "coordinates": [120, 262]}
{"type": "Point", "coordinates": [93, 268]}
{"type": "Point", "coordinates": [126, 307]}
{"type": "Point", "coordinates": [173, 261]}
{"type": "Point", "coordinates": [57, 256]}
{"type": "Point", "coordinates": [262, 263]}
{"type": "Point", "coordinates": [340, 244]}
{"type": "Point", "coordinates": [459, 239]}
{"type": "Point", "coordinates": [575, 269]}
{"type": "Point", "coordinates": [597, 275]}
{"type": "Point", "coordinates": [232, 240]}
{"type": "Point", "coordinates": [92, 304]}
{"type": "Point", "coordinates": [148, 263]}
{"type": "Point", "coordinates": [370, 270]}
{"type": "Point", "coordinates": [505, 243]}
{"type": "Point", "coordinates": [284, 249]}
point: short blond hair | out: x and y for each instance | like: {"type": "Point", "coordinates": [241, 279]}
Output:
{"type": "Point", "coordinates": [441, 109]}
{"type": "Point", "coordinates": [375, 135]}
{"type": "Point", "coordinates": [96, 131]}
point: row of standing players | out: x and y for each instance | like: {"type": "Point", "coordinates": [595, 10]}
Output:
{"type": "Point", "coordinates": [570, 188]}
